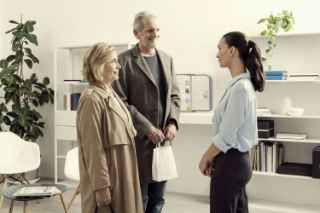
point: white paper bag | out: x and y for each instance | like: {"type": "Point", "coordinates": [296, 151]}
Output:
{"type": "Point", "coordinates": [163, 163]}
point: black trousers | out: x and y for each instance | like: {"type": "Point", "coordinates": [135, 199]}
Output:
{"type": "Point", "coordinates": [231, 173]}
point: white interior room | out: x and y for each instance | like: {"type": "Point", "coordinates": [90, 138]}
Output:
{"type": "Point", "coordinates": [190, 31]}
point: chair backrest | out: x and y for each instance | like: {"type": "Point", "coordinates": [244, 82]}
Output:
{"type": "Point", "coordinates": [71, 166]}
{"type": "Point", "coordinates": [17, 155]}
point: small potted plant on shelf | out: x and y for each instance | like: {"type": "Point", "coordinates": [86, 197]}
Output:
{"type": "Point", "coordinates": [274, 23]}
{"type": "Point", "coordinates": [20, 88]}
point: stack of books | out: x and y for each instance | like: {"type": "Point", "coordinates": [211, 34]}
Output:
{"type": "Point", "coordinates": [37, 191]}
{"type": "Point", "coordinates": [276, 75]}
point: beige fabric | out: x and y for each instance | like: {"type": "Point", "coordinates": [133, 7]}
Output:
{"type": "Point", "coordinates": [139, 92]}
{"type": "Point", "coordinates": [107, 155]}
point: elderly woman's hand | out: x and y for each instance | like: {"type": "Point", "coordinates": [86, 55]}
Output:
{"type": "Point", "coordinates": [103, 197]}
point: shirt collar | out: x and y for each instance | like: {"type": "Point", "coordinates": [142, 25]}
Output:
{"type": "Point", "coordinates": [238, 77]}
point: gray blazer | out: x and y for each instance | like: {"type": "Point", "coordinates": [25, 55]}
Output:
{"type": "Point", "coordinates": [138, 90]}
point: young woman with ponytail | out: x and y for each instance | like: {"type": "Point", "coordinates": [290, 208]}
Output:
{"type": "Point", "coordinates": [234, 125]}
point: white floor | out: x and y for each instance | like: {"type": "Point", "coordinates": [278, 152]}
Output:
{"type": "Point", "coordinates": [175, 203]}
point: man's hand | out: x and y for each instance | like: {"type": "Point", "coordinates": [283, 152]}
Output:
{"type": "Point", "coordinates": [155, 135]}
{"type": "Point", "coordinates": [103, 197]}
{"type": "Point", "coordinates": [170, 132]}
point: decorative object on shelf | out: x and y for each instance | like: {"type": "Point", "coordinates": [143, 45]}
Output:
{"type": "Point", "coordinates": [23, 94]}
{"type": "Point", "coordinates": [274, 23]}
{"type": "Point", "coordinates": [295, 111]}
{"type": "Point", "coordinates": [263, 112]}
{"type": "Point", "coordinates": [265, 128]}
{"type": "Point", "coordinates": [295, 136]}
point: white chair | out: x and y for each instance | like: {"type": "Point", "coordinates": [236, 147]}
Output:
{"type": "Point", "coordinates": [71, 170]}
{"type": "Point", "coordinates": [17, 156]}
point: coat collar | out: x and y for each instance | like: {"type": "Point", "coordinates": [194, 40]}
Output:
{"type": "Point", "coordinates": [107, 93]}
{"type": "Point", "coordinates": [144, 67]}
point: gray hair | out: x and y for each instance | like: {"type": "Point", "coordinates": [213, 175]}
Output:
{"type": "Point", "coordinates": [137, 23]}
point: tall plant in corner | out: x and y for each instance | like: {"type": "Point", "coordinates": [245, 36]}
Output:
{"type": "Point", "coordinates": [274, 23]}
{"type": "Point", "coordinates": [22, 95]}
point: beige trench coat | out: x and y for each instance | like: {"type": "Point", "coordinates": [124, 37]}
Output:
{"type": "Point", "coordinates": [107, 155]}
{"type": "Point", "coordinates": [137, 88]}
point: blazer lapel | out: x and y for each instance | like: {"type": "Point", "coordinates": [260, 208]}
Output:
{"type": "Point", "coordinates": [165, 68]}
{"type": "Point", "coordinates": [142, 64]}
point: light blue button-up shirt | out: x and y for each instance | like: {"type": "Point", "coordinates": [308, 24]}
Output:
{"type": "Point", "coordinates": [235, 120]}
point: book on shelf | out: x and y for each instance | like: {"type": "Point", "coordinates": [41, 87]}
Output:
{"type": "Point", "coordinates": [74, 97]}
{"type": "Point", "coordinates": [276, 75]}
{"type": "Point", "coordinates": [67, 101]}
{"type": "Point", "coordinates": [36, 191]}
{"type": "Point", "coordinates": [268, 156]}
{"type": "Point", "coordinates": [304, 76]}
{"type": "Point", "coordinates": [71, 80]}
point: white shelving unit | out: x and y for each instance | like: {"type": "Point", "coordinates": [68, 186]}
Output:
{"type": "Point", "coordinates": [284, 191]}
{"type": "Point", "coordinates": [68, 65]}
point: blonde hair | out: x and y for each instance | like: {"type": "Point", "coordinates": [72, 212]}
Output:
{"type": "Point", "coordinates": [94, 60]}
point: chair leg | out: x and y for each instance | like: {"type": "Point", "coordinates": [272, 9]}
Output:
{"type": "Point", "coordinates": [11, 206]}
{"type": "Point", "coordinates": [5, 183]}
{"type": "Point", "coordinates": [76, 192]}
{"type": "Point", "coordinates": [24, 179]}
{"type": "Point", "coordinates": [25, 206]}
{"type": "Point", "coordinates": [63, 203]}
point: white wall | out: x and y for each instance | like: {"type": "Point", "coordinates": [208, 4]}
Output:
{"type": "Point", "coordinates": [190, 31]}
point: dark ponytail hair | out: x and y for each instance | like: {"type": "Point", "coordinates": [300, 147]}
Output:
{"type": "Point", "coordinates": [249, 53]}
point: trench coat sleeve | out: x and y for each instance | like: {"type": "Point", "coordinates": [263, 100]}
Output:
{"type": "Point", "coordinates": [94, 156]}
{"type": "Point", "coordinates": [141, 123]}
{"type": "Point", "coordinates": [175, 99]}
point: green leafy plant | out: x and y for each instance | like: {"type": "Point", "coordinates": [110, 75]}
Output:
{"type": "Point", "coordinates": [274, 23]}
{"type": "Point", "coordinates": [22, 95]}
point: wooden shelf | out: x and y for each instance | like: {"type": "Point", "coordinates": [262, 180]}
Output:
{"type": "Point", "coordinates": [309, 140]}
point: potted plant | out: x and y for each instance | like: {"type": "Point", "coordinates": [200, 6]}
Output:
{"type": "Point", "coordinates": [22, 92]}
{"type": "Point", "coordinates": [274, 23]}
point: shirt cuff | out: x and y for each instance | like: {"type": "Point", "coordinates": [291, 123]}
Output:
{"type": "Point", "coordinates": [220, 144]}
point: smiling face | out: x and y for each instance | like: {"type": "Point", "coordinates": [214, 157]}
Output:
{"type": "Point", "coordinates": [224, 54]}
{"type": "Point", "coordinates": [149, 35]}
{"type": "Point", "coordinates": [111, 69]}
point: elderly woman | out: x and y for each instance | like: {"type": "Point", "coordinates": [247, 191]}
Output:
{"type": "Point", "coordinates": [109, 180]}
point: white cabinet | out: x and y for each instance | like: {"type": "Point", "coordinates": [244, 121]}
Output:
{"type": "Point", "coordinates": [68, 82]}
